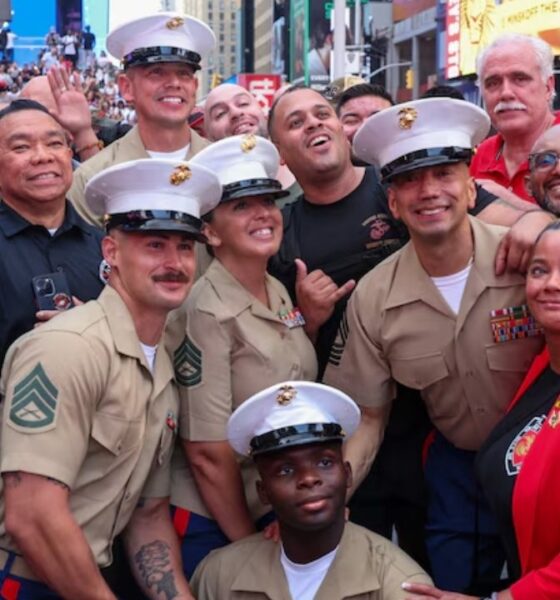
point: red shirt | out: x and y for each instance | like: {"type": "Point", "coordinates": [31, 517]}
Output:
{"type": "Point", "coordinates": [488, 163]}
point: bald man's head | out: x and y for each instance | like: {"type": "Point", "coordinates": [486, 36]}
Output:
{"type": "Point", "coordinates": [38, 89]}
{"type": "Point", "coordinates": [232, 110]}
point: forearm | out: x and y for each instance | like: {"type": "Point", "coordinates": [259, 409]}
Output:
{"type": "Point", "coordinates": [86, 144]}
{"type": "Point", "coordinates": [361, 449]}
{"type": "Point", "coordinates": [219, 482]}
{"type": "Point", "coordinates": [506, 211]}
{"type": "Point", "coordinates": [53, 544]}
{"type": "Point", "coordinates": [154, 554]}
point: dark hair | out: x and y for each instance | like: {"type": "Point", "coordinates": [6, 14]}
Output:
{"type": "Point", "coordinates": [443, 91]}
{"type": "Point", "coordinates": [363, 89]}
{"type": "Point", "coordinates": [272, 111]}
{"type": "Point", "coordinates": [23, 104]}
{"type": "Point", "coordinates": [554, 226]}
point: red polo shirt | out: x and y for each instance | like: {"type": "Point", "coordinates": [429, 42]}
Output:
{"type": "Point", "coordinates": [488, 163]}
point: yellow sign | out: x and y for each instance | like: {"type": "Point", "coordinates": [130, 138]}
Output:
{"type": "Point", "coordinates": [483, 20]}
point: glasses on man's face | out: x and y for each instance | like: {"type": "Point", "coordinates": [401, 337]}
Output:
{"type": "Point", "coordinates": [543, 161]}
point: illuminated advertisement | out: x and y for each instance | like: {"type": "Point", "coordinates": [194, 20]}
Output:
{"type": "Point", "coordinates": [404, 9]}
{"type": "Point", "coordinates": [473, 24]}
{"type": "Point", "coordinates": [299, 41]}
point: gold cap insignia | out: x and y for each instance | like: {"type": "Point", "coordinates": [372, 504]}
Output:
{"type": "Point", "coordinates": [249, 142]}
{"type": "Point", "coordinates": [286, 395]}
{"type": "Point", "coordinates": [407, 116]}
{"type": "Point", "coordinates": [175, 22]}
{"type": "Point", "coordinates": [181, 174]}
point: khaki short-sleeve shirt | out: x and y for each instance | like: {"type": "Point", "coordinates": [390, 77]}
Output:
{"type": "Point", "coordinates": [234, 347]}
{"type": "Point", "coordinates": [129, 147]}
{"type": "Point", "coordinates": [81, 406]}
{"type": "Point", "coordinates": [399, 328]}
{"type": "Point", "coordinates": [366, 567]}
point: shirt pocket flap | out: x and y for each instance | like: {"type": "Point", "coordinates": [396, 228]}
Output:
{"type": "Point", "coordinates": [110, 431]}
{"type": "Point", "coordinates": [419, 372]}
{"type": "Point", "coordinates": [508, 356]}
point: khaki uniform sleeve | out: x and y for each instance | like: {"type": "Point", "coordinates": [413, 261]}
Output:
{"type": "Point", "coordinates": [51, 384]}
{"type": "Point", "coordinates": [204, 375]}
{"type": "Point", "coordinates": [357, 365]}
{"type": "Point", "coordinates": [204, 583]}
{"type": "Point", "coordinates": [76, 195]}
{"type": "Point", "coordinates": [398, 567]}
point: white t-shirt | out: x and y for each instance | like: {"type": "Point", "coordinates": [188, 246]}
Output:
{"type": "Point", "coordinates": [150, 354]}
{"type": "Point", "coordinates": [451, 287]}
{"type": "Point", "coordinates": [305, 580]}
{"type": "Point", "coordinates": [175, 155]}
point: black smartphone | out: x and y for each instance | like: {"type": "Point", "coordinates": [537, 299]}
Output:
{"type": "Point", "coordinates": [52, 291]}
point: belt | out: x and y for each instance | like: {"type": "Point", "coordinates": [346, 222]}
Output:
{"type": "Point", "coordinates": [18, 566]}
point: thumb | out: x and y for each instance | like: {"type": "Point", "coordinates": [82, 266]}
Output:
{"type": "Point", "coordinates": [301, 270]}
{"type": "Point", "coordinates": [501, 256]}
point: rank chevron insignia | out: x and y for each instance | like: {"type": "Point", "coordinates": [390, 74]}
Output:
{"type": "Point", "coordinates": [34, 400]}
{"type": "Point", "coordinates": [340, 342]}
{"type": "Point", "coordinates": [188, 363]}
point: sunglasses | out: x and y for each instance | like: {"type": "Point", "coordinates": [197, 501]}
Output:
{"type": "Point", "coordinates": [543, 161]}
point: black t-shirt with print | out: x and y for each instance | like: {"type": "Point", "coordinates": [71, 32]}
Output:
{"type": "Point", "coordinates": [501, 457]}
{"type": "Point", "coordinates": [345, 239]}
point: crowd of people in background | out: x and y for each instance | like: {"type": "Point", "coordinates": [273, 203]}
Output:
{"type": "Point", "coordinates": [74, 51]}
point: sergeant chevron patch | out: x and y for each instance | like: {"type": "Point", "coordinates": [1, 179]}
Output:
{"type": "Point", "coordinates": [34, 401]}
{"type": "Point", "coordinates": [187, 361]}
{"type": "Point", "coordinates": [338, 346]}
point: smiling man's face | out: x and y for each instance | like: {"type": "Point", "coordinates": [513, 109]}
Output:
{"type": "Point", "coordinates": [35, 161]}
{"type": "Point", "coordinates": [163, 94]}
{"type": "Point", "coordinates": [309, 135]}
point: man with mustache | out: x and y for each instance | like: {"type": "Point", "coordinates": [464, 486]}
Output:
{"type": "Point", "coordinates": [543, 181]}
{"type": "Point", "coordinates": [517, 83]}
{"type": "Point", "coordinates": [160, 55]}
{"type": "Point", "coordinates": [90, 408]}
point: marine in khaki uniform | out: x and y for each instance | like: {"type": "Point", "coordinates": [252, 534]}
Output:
{"type": "Point", "coordinates": [160, 55]}
{"type": "Point", "coordinates": [436, 318]}
{"type": "Point", "coordinates": [294, 432]}
{"type": "Point", "coordinates": [242, 334]}
{"type": "Point", "coordinates": [90, 408]}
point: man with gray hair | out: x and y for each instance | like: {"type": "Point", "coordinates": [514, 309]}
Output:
{"type": "Point", "coordinates": [517, 84]}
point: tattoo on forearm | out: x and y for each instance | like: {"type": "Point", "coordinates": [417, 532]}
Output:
{"type": "Point", "coordinates": [12, 478]}
{"type": "Point", "coordinates": [154, 565]}
{"type": "Point", "coordinates": [58, 483]}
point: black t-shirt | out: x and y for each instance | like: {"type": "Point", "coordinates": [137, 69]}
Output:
{"type": "Point", "coordinates": [28, 250]}
{"type": "Point", "coordinates": [88, 40]}
{"type": "Point", "coordinates": [501, 457]}
{"type": "Point", "coordinates": [345, 239]}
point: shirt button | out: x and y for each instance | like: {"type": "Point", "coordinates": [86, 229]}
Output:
{"type": "Point", "coordinates": [480, 410]}
{"type": "Point", "coordinates": [127, 496]}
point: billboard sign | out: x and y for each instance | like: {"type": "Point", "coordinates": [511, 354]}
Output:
{"type": "Point", "coordinates": [472, 24]}
{"type": "Point", "coordinates": [263, 87]}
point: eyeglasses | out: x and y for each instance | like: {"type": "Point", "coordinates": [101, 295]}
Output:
{"type": "Point", "coordinates": [543, 161]}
